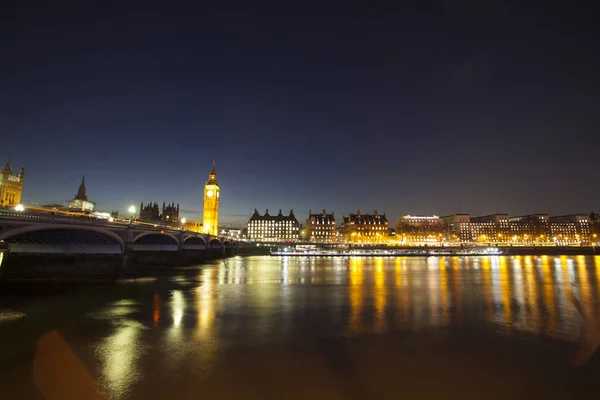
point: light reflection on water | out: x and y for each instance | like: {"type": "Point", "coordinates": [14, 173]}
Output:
{"type": "Point", "coordinates": [265, 300]}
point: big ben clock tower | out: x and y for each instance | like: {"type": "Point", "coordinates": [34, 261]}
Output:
{"type": "Point", "coordinates": [210, 220]}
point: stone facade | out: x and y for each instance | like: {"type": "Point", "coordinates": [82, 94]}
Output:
{"type": "Point", "coordinates": [11, 186]}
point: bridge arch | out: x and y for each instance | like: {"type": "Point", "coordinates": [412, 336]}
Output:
{"type": "Point", "coordinates": [227, 243]}
{"type": "Point", "coordinates": [215, 243]}
{"type": "Point", "coordinates": [31, 239]}
{"type": "Point", "coordinates": [155, 241]}
{"type": "Point", "coordinates": [172, 238]}
{"type": "Point", "coordinates": [194, 243]}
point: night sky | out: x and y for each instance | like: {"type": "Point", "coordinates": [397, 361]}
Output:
{"type": "Point", "coordinates": [441, 107]}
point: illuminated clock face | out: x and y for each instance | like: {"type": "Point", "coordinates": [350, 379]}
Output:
{"type": "Point", "coordinates": [210, 193]}
{"type": "Point", "coordinates": [218, 195]}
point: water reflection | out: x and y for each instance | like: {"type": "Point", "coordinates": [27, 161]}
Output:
{"type": "Point", "coordinates": [205, 302]}
{"type": "Point", "coordinates": [270, 299]}
{"type": "Point", "coordinates": [121, 351]}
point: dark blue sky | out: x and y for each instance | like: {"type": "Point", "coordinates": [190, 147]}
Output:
{"type": "Point", "coordinates": [436, 108]}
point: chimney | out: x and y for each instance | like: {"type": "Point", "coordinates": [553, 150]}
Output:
{"type": "Point", "coordinates": [358, 212]}
{"type": "Point", "coordinates": [310, 213]}
{"type": "Point", "coordinates": [323, 211]}
{"type": "Point", "coordinates": [376, 214]}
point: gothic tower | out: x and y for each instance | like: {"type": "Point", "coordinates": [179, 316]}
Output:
{"type": "Point", "coordinates": [81, 191]}
{"type": "Point", "coordinates": [11, 186]}
{"type": "Point", "coordinates": [210, 221]}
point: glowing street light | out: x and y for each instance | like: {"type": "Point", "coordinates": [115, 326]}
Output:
{"type": "Point", "coordinates": [19, 208]}
{"type": "Point", "coordinates": [183, 220]}
{"type": "Point", "coordinates": [131, 213]}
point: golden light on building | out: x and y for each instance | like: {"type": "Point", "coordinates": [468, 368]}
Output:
{"type": "Point", "coordinates": [365, 228]}
{"type": "Point", "coordinates": [192, 226]}
{"type": "Point", "coordinates": [11, 186]}
{"type": "Point", "coordinates": [212, 195]}
{"type": "Point", "coordinates": [321, 227]}
{"type": "Point", "coordinates": [419, 229]}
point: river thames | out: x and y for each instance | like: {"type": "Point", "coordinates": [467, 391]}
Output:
{"type": "Point", "coordinates": [265, 327]}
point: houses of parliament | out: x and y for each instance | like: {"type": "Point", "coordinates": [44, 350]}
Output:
{"type": "Point", "coordinates": [11, 186]}
{"type": "Point", "coordinates": [169, 213]}
{"type": "Point", "coordinates": [151, 213]}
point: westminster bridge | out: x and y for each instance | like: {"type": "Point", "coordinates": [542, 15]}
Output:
{"type": "Point", "coordinates": [61, 246]}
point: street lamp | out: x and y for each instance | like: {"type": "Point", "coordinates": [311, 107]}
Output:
{"type": "Point", "coordinates": [131, 213]}
{"type": "Point", "coordinates": [19, 208]}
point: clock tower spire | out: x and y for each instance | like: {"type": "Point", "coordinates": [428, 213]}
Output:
{"type": "Point", "coordinates": [210, 220]}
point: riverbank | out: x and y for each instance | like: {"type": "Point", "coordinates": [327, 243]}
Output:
{"type": "Point", "coordinates": [439, 251]}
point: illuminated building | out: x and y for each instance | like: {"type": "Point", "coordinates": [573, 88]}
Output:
{"type": "Point", "coordinates": [530, 228]}
{"type": "Point", "coordinates": [80, 202]}
{"type": "Point", "coordinates": [490, 228]}
{"type": "Point", "coordinates": [320, 228]}
{"type": "Point", "coordinates": [276, 228]}
{"type": "Point", "coordinates": [419, 229]}
{"type": "Point", "coordinates": [595, 226]}
{"type": "Point", "coordinates": [193, 226]}
{"type": "Point", "coordinates": [150, 212]}
{"type": "Point", "coordinates": [212, 194]}
{"type": "Point", "coordinates": [363, 228]}
{"type": "Point", "coordinates": [574, 228]}
{"type": "Point", "coordinates": [457, 227]}
{"type": "Point", "coordinates": [232, 233]}
{"type": "Point", "coordinates": [11, 186]}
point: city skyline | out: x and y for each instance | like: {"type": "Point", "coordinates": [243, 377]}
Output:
{"type": "Point", "coordinates": [407, 110]}
{"type": "Point", "coordinates": [241, 220]}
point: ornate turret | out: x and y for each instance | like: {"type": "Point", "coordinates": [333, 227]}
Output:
{"type": "Point", "coordinates": [22, 174]}
{"type": "Point", "coordinates": [7, 170]}
{"type": "Point", "coordinates": [255, 215]}
{"type": "Point", "coordinates": [81, 192]}
{"type": "Point", "coordinates": [212, 177]}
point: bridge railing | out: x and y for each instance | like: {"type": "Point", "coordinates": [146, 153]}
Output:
{"type": "Point", "coordinates": [41, 217]}
{"type": "Point", "coordinates": [79, 220]}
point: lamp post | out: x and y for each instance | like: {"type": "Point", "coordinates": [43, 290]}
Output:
{"type": "Point", "coordinates": [183, 220]}
{"type": "Point", "coordinates": [131, 213]}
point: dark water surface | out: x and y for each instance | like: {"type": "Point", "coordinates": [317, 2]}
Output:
{"type": "Point", "coordinates": [315, 328]}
